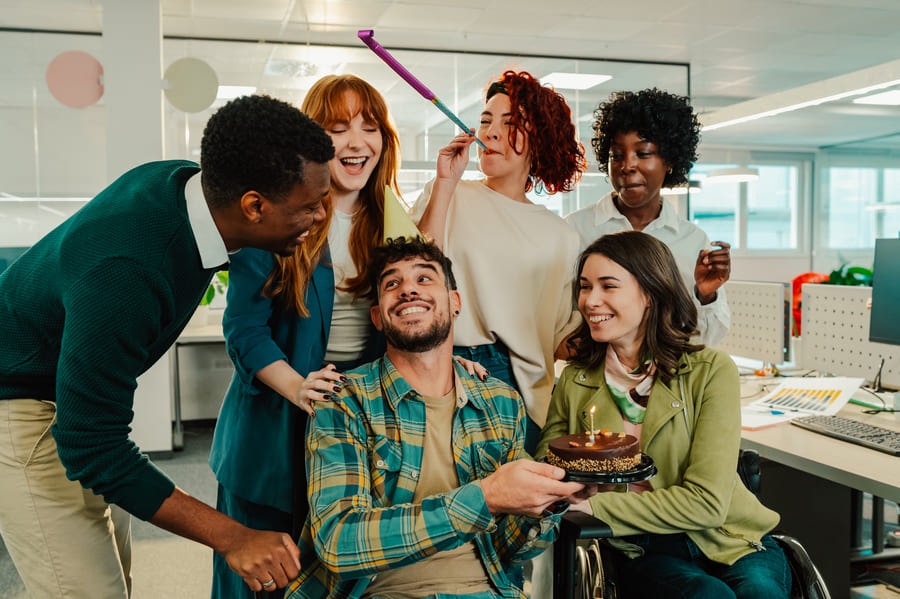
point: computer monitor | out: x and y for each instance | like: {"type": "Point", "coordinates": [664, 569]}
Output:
{"type": "Point", "coordinates": [884, 322]}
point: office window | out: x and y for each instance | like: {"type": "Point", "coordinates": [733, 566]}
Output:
{"type": "Point", "coordinates": [852, 193]}
{"type": "Point", "coordinates": [757, 215]}
{"type": "Point", "coordinates": [889, 216]}
{"type": "Point", "coordinates": [772, 209]}
{"type": "Point", "coordinates": [715, 210]}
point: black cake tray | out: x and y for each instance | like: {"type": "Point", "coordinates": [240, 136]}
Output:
{"type": "Point", "coordinates": [643, 471]}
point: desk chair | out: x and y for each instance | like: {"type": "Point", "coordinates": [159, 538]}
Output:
{"type": "Point", "coordinates": [573, 563]}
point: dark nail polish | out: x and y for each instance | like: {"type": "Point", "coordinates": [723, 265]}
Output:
{"type": "Point", "coordinates": [343, 379]}
{"type": "Point", "coordinates": [336, 389]}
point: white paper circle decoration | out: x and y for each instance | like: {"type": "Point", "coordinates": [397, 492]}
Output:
{"type": "Point", "coordinates": [191, 85]}
{"type": "Point", "coordinates": [75, 79]}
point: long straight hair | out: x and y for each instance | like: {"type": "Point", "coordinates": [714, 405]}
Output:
{"type": "Point", "coordinates": [327, 103]}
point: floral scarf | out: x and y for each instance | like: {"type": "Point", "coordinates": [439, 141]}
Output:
{"type": "Point", "coordinates": [630, 390]}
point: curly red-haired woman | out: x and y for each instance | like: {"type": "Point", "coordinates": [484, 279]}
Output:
{"type": "Point", "coordinates": [513, 257]}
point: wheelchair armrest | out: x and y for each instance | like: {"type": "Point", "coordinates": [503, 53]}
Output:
{"type": "Point", "coordinates": [806, 575]}
{"type": "Point", "coordinates": [579, 525]}
{"type": "Point", "coordinates": [574, 526]}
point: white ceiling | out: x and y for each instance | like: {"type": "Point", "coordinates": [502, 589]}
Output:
{"type": "Point", "coordinates": [738, 50]}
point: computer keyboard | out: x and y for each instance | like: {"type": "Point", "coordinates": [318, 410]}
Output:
{"type": "Point", "coordinates": [853, 431]}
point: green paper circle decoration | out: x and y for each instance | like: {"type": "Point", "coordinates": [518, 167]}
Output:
{"type": "Point", "coordinates": [192, 84]}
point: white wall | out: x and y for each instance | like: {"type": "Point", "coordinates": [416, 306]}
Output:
{"type": "Point", "coordinates": [775, 269]}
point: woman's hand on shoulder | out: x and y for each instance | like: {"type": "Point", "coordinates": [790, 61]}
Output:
{"type": "Point", "coordinates": [319, 385]}
{"type": "Point", "coordinates": [475, 369]}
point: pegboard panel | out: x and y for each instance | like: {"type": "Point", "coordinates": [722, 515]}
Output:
{"type": "Point", "coordinates": [836, 335]}
{"type": "Point", "coordinates": [758, 330]}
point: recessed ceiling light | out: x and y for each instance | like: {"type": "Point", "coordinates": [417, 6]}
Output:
{"type": "Point", "coordinates": [739, 174]}
{"type": "Point", "coordinates": [692, 186]}
{"type": "Point", "coordinates": [574, 80]}
{"type": "Point", "coordinates": [891, 98]}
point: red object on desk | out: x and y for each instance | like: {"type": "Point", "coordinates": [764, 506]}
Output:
{"type": "Point", "coordinates": [797, 294]}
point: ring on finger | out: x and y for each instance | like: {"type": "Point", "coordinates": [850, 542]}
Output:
{"type": "Point", "coordinates": [269, 584]}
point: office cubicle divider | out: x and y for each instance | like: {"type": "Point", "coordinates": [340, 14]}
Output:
{"type": "Point", "coordinates": [760, 321]}
{"type": "Point", "coordinates": [836, 335]}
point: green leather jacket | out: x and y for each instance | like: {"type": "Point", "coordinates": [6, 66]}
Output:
{"type": "Point", "coordinates": [692, 430]}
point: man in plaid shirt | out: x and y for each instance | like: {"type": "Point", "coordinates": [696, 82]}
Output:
{"type": "Point", "coordinates": [419, 485]}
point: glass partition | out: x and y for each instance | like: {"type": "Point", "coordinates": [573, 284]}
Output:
{"type": "Point", "coordinates": [52, 151]}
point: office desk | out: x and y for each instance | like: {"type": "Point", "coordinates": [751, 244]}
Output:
{"type": "Point", "coordinates": [190, 336]}
{"type": "Point", "coordinates": [810, 478]}
{"type": "Point", "coordinates": [845, 463]}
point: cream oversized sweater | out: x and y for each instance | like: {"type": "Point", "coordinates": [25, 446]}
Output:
{"type": "Point", "coordinates": [514, 264]}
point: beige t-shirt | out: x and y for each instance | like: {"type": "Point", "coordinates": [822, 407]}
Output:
{"type": "Point", "coordinates": [458, 571]}
{"type": "Point", "coordinates": [514, 265]}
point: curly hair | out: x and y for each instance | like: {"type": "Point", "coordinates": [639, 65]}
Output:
{"type": "Point", "coordinates": [671, 317]}
{"type": "Point", "coordinates": [396, 249]}
{"type": "Point", "coordinates": [660, 117]}
{"type": "Point", "coordinates": [258, 143]}
{"type": "Point", "coordinates": [328, 102]}
{"type": "Point", "coordinates": [542, 114]}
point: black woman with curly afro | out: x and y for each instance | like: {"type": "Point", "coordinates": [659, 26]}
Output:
{"type": "Point", "coordinates": [644, 141]}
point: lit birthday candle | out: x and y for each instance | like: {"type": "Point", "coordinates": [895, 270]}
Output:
{"type": "Point", "coordinates": [591, 435]}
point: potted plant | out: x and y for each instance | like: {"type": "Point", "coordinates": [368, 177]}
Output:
{"type": "Point", "coordinates": [217, 286]}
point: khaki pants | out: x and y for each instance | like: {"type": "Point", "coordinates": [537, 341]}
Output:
{"type": "Point", "coordinates": [64, 540]}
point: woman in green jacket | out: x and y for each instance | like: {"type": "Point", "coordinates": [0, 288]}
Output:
{"type": "Point", "coordinates": [693, 530]}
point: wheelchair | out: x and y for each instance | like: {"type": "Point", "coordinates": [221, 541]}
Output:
{"type": "Point", "coordinates": [587, 571]}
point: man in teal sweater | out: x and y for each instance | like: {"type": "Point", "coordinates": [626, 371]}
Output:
{"type": "Point", "coordinates": [93, 305]}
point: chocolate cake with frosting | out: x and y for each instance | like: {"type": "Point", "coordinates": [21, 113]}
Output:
{"type": "Point", "coordinates": [608, 452]}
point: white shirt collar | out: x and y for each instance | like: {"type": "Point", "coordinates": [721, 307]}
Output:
{"type": "Point", "coordinates": [209, 240]}
{"type": "Point", "coordinates": [607, 211]}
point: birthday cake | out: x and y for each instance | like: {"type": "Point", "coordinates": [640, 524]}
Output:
{"type": "Point", "coordinates": [605, 452]}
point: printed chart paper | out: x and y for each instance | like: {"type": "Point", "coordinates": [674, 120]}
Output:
{"type": "Point", "coordinates": [821, 395]}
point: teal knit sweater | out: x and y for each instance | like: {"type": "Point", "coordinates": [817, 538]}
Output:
{"type": "Point", "coordinates": [91, 306]}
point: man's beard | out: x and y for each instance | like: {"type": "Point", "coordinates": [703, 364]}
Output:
{"type": "Point", "coordinates": [418, 342]}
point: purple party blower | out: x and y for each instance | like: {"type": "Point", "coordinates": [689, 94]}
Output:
{"type": "Point", "coordinates": [368, 38]}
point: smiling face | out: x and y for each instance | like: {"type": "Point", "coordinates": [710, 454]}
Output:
{"type": "Point", "coordinates": [414, 305]}
{"type": "Point", "coordinates": [612, 303]}
{"type": "Point", "coordinates": [636, 171]}
{"type": "Point", "coordinates": [501, 160]}
{"type": "Point", "coordinates": [280, 226]}
{"type": "Point", "coordinates": [357, 148]}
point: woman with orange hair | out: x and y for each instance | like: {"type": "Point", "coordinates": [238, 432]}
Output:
{"type": "Point", "coordinates": [513, 256]}
{"type": "Point", "coordinates": [292, 324]}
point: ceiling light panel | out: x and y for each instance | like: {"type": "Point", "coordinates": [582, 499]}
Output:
{"type": "Point", "coordinates": [579, 81]}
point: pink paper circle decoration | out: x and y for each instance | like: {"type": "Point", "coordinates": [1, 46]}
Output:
{"type": "Point", "coordinates": [75, 79]}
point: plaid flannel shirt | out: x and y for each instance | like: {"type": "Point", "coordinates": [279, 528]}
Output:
{"type": "Point", "coordinates": [364, 454]}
